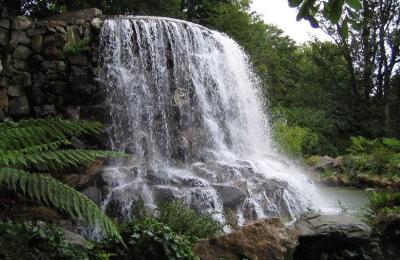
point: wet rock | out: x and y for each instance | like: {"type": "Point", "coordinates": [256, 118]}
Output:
{"type": "Point", "coordinates": [96, 23]}
{"type": "Point", "coordinates": [164, 194]}
{"type": "Point", "coordinates": [335, 237]}
{"type": "Point", "coordinates": [21, 23]}
{"type": "Point", "coordinates": [231, 196]}
{"type": "Point", "coordinates": [78, 59]}
{"type": "Point", "coordinates": [19, 107]}
{"type": "Point", "coordinates": [22, 52]}
{"type": "Point", "coordinates": [263, 240]}
{"type": "Point", "coordinates": [93, 193]}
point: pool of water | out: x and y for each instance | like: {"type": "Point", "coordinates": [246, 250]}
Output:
{"type": "Point", "coordinates": [339, 200]}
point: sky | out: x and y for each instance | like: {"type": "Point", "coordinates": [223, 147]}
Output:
{"type": "Point", "coordinates": [279, 13]}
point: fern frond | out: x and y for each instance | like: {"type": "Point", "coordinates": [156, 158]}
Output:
{"type": "Point", "coordinates": [26, 133]}
{"type": "Point", "coordinates": [49, 191]}
{"type": "Point", "coordinates": [53, 159]}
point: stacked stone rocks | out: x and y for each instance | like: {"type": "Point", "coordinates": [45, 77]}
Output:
{"type": "Point", "coordinates": [49, 67]}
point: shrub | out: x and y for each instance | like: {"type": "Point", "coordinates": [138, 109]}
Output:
{"type": "Point", "coordinates": [37, 240]}
{"type": "Point", "coordinates": [294, 140]}
{"type": "Point", "coordinates": [149, 239]}
{"type": "Point", "coordinates": [186, 221]}
{"type": "Point", "coordinates": [382, 202]}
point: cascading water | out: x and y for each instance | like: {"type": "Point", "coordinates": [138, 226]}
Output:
{"type": "Point", "coordinates": [185, 103]}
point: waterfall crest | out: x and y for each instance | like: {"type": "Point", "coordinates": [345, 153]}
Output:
{"type": "Point", "coordinates": [186, 104]}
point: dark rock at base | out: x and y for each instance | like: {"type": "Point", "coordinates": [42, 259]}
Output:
{"type": "Point", "coordinates": [388, 227]}
{"type": "Point", "coordinates": [263, 240]}
{"type": "Point", "coordinates": [335, 237]}
{"type": "Point", "coordinates": [19, 107]}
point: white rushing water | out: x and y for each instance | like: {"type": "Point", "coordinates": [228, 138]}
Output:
{"type": "Point", "coordinates": [187, 106]}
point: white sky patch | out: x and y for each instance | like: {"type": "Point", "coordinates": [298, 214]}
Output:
{"type": "Point", "coordinates": [279, 13]}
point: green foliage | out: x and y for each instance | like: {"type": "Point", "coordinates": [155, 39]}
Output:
{"type": "Point", "coordinates": [378, 156]}
{"type": "Point", "coordinates": [149, 239]}
{"type": "Point", "coordinates": [185, 221]}
{"type": "Point", "coordinates": [294, 140]}
{"type": "Point", "coordinates": [39, 144]}
{"type": "Point", "coordinates": [36, 240]}
{"type": "Point", "coordinates": [382, 202]}
{"type": "Point", "coordinates": [80, 47]}
{"type": "Point", "coordinates": [47, 190]}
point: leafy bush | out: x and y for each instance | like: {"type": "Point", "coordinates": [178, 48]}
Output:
{"type": "Point", "coordinates": [79, 47]}
{"type": "Point", "coordinates": [149, 239]}
{"type": "Point", "coordinates": [382, 202]}
{"type": "Point", "coordinates": [37, 240]}
{"type": "Point", "coordinates": [186, 221]}
{"type": "Point", "coordinates": [296, 141]}
{"type": "Point", "coordinates": [43, 144]}
{"type": "Point", "coordinates": [378, 156]}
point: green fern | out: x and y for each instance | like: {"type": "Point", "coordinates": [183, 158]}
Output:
{"type": "Point", "coordinates": [44, 144]}
{"type": "Point", "coordinates": [53, 193]}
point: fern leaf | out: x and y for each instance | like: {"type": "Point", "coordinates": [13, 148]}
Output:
{"type": "Point", "coordinates": [26, 133]}
{"type": "Point", "coordinates": [62, 197]}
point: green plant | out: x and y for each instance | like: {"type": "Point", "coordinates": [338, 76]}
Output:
{"type": "Point", "coordinates": [186, 221]}
{"type": "Point", "coordinates": [294, 140]}
{"type": "Point", "coordinates": [381, 202]}
{"type": "Point", "coordinates": [37, 240]}
{"type": "Point", "coordinates": [149, 239]}
{"type": "Point", "coordinates": [43, 145]}
{"type": "Point", "coordinates": [79, 47]}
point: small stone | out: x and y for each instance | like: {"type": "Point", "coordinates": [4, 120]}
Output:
{"type": "Point", "coordinates": [19, 65]}
{"type": "Point", "coordinates": [18, 107]}
{"type": "Point", "coordinates": [16, 91]}
{"type": "Point", "coordinates": [3, 98]}
{"type": "Point", "coordinates": [4, 38]}
{"type": "Point", "coordinates": [57, 24]}
{"type": "Point", "coordinates": [2, 115]}
{"type": "Point", "coordinates": [5, 23]}
{"type": "Point", "coordinates": [22, 52]}
{"type": "Point", "coordinates": [21, 23]}
{"type": "Point", "coordinates": [60, 29]}
{"type": "Point", "coordinates": [19, 37]}
{"type": "Point", "coordinates": [37, 43]}
{"type": "Point", "coordinates": [52, 52]}
{"type": "Point", "coordinates": [96, 23]}
{"type": "Point", "coordinates": [78, 59]}
{"type": "Point", "coordinates": [3, 82]}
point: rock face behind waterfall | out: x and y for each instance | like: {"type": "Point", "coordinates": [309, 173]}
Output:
{"type": "Point", "coordinates": [186, 105]}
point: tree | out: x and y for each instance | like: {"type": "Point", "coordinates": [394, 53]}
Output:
{"type": "Point", "coordinates": [43, 146]}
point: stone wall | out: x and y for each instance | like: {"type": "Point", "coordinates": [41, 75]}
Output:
{"type": "Point", "coordinates": [49, 67]}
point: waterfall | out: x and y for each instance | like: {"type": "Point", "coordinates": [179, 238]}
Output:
{"type": "Point", "coordinates": [185, 103]}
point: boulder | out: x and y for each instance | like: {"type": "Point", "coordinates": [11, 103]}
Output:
{"type": "Point", "coordinates": [5, 23]}
{"type": "Point", "coordinates": [22, 53]}
{"type": "Point", "coordinates": [96, 23]}
{"type": "Point", "coordinates": [19, 37]}
{"type": "Point", "coordinates": [16, 91]}
{"type": "Point", "coordinates": [262, 240]}
{"type": "Point", "coordinates": [388, 227]}
{"type": "Point", "coordinates": [334, 237]}
{"type": "Point", "coordinates": [3, 98]}
{"type": "Point", "coordinates": [21, 23]}
{"type": "Point", "coordinates": [4, 38]}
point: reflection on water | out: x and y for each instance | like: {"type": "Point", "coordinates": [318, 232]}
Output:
{"type": "Point", "coordinates": [335, 200]}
